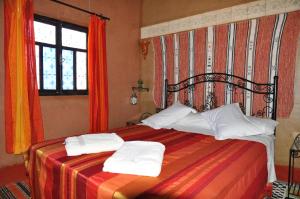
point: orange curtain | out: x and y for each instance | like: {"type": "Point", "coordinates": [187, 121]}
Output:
{"type": "Point", "coordinates": [23, 120]}
{"type": "Point", "coordinates": [97, 75]}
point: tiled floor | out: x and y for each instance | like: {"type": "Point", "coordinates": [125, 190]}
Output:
{"type": "Point", "coordinates": [15, 173]}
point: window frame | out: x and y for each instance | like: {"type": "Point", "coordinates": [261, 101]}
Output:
{"type": "Point", "coordinates": [59, 48]}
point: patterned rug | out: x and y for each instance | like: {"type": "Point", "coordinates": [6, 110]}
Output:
{"type": "Point", "coordinates": [280, 190]}
{"type": "Point", "coordinates": [20, 190]}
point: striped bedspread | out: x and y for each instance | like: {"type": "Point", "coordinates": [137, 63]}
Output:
{"type": "Point", "coordinates": [194, 166]}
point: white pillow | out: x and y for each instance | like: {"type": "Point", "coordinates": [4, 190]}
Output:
{"type": "Point", "coordinates": [168, 116]}
{"type": "Point", "coordinates": [266, 125]}
{"type": "Point", "coordinates": [194, 123]}
{"type": "Point", "coordinates": [229, 122]}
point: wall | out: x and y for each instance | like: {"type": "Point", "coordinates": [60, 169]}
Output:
{"type": "Point", "coordinates": [67, 115]}
{"type": "Point", "coordinates": [288, 126]}
{"type": "Point", "coordinates": [177, 9]}
{"type": "Point", "coordinates": [157, 11]}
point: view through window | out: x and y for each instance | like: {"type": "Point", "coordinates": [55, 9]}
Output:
{"type": "Point", "coordinates": [61, 57]}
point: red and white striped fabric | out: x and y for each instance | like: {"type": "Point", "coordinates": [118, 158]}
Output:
{"type": "Point", "coordinates": [256, 49]}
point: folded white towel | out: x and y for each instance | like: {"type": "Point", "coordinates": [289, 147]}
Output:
{"type": "Point", "coordinates": [92, 143]}
{"type": "Point", "coordinates": [137, 158]}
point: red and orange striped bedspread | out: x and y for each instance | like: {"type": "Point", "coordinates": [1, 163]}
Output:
{"type": "Point", "coordinates": [194, 166]}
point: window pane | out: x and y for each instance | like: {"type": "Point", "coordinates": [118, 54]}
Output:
{"type": "Point", "coordinates": [81, 71]}
{"type": "Point", "coordinates": [67, 70]}
{"type": "Point", "coordinates": [49, 68]}
{"type": "Point", "coordinates": [44, 33]}
{"type": "Point", "coordinates": [37, 63]}
{"type": "Point", "coordinates": [73, 38]}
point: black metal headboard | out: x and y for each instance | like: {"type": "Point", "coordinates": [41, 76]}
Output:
{"type": "Point", "coordinates": [268, 90]}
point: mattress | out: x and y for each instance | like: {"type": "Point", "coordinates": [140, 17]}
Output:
{"type": "Point", "coordinates": [194, 166]}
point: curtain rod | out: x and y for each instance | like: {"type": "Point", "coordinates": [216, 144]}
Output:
{"type": "Point", "coordinates": [80, 9]}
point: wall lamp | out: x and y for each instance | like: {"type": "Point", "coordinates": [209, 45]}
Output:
{"type": "Point", "coordinates": [138, 88]}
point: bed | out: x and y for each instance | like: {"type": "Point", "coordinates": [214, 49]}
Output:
{"type": "Point", "coordinates": [194, 165]}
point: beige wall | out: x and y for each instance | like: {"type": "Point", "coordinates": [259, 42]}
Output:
{"type": "Point", "coordinates": [155, 11]}
{"type": "Point", "coordinates": [287, 127]}
{"type": "Point", "coordinates": [67, 115]}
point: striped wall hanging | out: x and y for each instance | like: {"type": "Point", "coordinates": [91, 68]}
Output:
{"type": "Point", "coordinates": [257, 49]}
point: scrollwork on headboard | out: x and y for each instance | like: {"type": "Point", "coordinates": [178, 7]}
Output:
{"type": "Point", "coordinates": [268, 90]}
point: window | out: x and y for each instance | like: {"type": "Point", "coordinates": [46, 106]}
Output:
{"type": "Point", "coordinates": [61, 57]}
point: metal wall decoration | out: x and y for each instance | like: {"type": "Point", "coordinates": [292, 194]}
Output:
{"type": "Point", "coordinates": [144, 44]}
{"type": "Point", "coordinates": [139, 88]}
{"type": "Point", "coordinates": [267, 90]}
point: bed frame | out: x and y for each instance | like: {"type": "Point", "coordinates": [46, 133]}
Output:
{"type": "Point", "coordinates": [268, 90]}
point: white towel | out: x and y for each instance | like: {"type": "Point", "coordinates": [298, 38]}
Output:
{"type": "Point", "coordinates": [92, 143]}
{"type": "Point", "coordinates": [137, 158]}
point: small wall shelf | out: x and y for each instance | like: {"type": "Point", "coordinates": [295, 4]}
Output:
{"type": "Point", "coordinates": [139, 87]}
